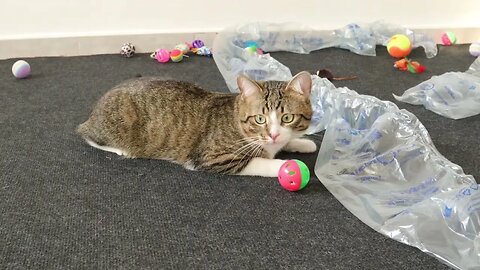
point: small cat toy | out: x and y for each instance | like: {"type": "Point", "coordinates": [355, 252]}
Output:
{"type": "Point", "coordinates": [181, 50]}
{"type": "Point", "coordinates": [409, 65]}
{"type": "Point", "coordinates": [400, 46]}
{"type": "Point", "coordinates": [293, 175]}
{"type": "Point", "coordinates": [127, 50]}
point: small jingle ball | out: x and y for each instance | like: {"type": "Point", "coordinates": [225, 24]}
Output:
{"type": "Point", "coordinates": [127, 50]}
{"type": "Point", "coordinates": [162, 55]}
{"type": "Point", "coordinates": [21, 69]}
{"type": "Point", "coordinates": [293, 175]}
{"type": "Point", "coordinates": [399, 46]}
{"type": "Point", "coordinates": [197, 43]}
{"type": "Point", "coordinates": [448, 38]}
{"type": "Point", "coordinates": [176, 55]}
{"type": "Point", "coordinates": [183, 47]}
{"type": "Point", "coordinates": [474, 49]}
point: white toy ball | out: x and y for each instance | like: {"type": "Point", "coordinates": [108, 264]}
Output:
{"type": "Point", "coordinates": [475, 49]}
{"type": "Point", "coordinates": [21, 69]}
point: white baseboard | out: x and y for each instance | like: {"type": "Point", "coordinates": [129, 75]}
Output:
{"type": "Point", "coordinates": [144, 43]}
{"type": "Point", "coordinates": [90, 45]}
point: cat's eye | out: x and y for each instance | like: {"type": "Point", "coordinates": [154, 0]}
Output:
{"type": "Point", "coordinates": [260, 119]}
{"type": "Point", "coordinates": [287, 118]}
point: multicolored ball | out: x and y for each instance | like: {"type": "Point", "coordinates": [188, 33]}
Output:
{"type": "Point", "coordinates": [21, 69]}
{"type": "Point", "coordinates": [162, 55]}
{"type": "Point", "coordinates": [399, 46]}
{"type": "Point", "coordinates": [127, 50]}
{"type": "Point", "coordinates": [176, 55]}
{"type": "Point", "coordinates": [474, 49]}
{"type": "Point", "coordinates": [448, 38]}
{"type": "Point", "coordinates": [183, 47]}
{"type": "Point", "coordinates": [293, 175]}
{"type": "Point", "coordinates": [197, 43]}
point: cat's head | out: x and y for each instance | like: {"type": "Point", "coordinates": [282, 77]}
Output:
{"type": "Point", "coordinates": [274, 112]}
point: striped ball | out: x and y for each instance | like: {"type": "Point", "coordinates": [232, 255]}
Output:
{"type": "Point", "coordinates": [198, 43]}
{"type": "Point", "coordinates": [176, 55]}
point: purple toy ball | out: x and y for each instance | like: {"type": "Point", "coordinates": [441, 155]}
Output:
{"type": "Point", "coordinates": [198, 43]}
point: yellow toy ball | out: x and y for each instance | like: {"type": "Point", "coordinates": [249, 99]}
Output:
{"type": "Point", "coordinates": [399, 46]}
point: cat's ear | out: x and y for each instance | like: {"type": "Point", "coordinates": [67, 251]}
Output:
{"type": "Point", "coordinates": [302, 83]}
{"type": "Point", "coordinates": [247, 87]}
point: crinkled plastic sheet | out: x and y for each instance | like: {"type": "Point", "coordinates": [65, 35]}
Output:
{"type": "Point", "coordinates": [377, 160]}
{"type": "Point", "coordinates": [381, 164]}
{"type": "Point", "coordinates": [454, 95]}
{"type": "Point", "coordinates": [362, 39]}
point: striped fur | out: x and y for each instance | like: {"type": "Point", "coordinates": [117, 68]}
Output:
{"type": "Point", "coordinates": [180, 122]}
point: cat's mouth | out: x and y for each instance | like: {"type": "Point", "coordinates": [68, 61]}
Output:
{"type": "Point", "coordinates": [275, 142]}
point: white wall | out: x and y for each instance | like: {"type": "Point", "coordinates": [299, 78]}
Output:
{"type": "Point", "coordinates": [40, 19]}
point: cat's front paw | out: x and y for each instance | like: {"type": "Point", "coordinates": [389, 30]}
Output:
{"type": "Point", "coordinates": [263, 167]}
{"type": "Point", "coordinates": [301, 146]}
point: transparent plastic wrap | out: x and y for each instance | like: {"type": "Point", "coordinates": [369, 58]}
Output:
{"type": "Point", "coordinates": [454, 95]}
{"type": "Point", "coordinates": [381, 164]}
{"type": "Point", "coordinates": [377, 160]}
{"type": "Point", "coordinates": [232, 59]}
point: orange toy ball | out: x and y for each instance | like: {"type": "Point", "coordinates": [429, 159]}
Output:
{"type": "Point", "coordinates": [399, 46]}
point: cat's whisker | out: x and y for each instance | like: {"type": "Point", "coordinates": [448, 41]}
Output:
{"type": "Point", "coordinates": [248, 148]}
{"type": "Point", "coordinates": [246, 153]}
{"type": "Point", "coordinates": [243, 140]}
{"type": "Point", "coordinates": [245, 146]}
{"type": "Point", "coordinates": [252, 151]}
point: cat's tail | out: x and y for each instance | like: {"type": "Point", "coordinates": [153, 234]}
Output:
{"type": "Point", "coordinates": [87, 132]}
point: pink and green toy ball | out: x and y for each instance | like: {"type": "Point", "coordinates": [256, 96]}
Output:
{"type": "Point", "coordinates": [21, 69]}
{"type": "Point", "coordinates": [449, 38]}
{"type": "Point", "coordinates": [293, 175]}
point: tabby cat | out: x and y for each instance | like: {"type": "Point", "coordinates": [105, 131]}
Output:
{"type": "Point", "coordinates": [217, 132]}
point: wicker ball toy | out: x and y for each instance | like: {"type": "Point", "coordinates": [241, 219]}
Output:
{"type": "Point", "coordinates": [127, 50]}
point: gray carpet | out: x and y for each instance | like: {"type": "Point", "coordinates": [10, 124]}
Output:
{"type": "Point", "coordinates": [66, 205]}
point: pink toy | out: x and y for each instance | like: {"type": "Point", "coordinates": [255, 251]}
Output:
{"type": "Point", "coordinates": [293, 175]}
{"type": "Point", "coordinates": [162, 55]}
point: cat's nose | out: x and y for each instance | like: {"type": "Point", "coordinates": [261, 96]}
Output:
{"type": "Point", "coordinates": [274, 136]}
